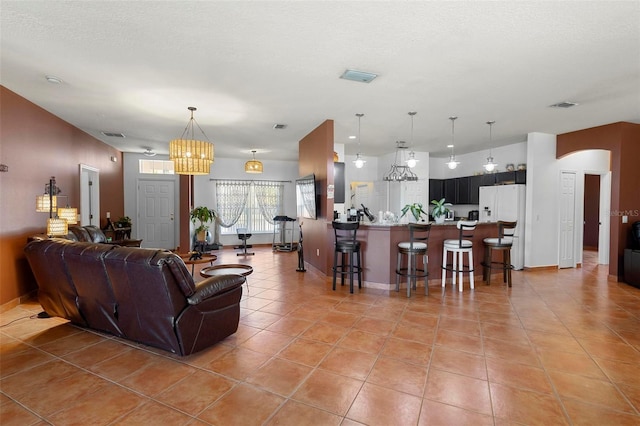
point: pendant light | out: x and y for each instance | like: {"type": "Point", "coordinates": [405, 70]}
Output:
{"type": "Point", "coordinates": [253, 166]}
{"type": "Point", "coordinates": [452, 163]}
{"type": "Point", "coordinates": [490, 166]}
{"type": "Point", "coordinates": [359, 162]}
{"type": "Point", "coordinates": [411, 162]}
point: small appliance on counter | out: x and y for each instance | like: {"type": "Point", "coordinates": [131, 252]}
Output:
{"type": "Point", "coordinates": [450, 215]}
{"type": "Point", "coordinates": [474, 215]}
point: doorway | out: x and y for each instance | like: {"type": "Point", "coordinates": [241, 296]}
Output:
{"type": "Point", "coordinates": [89, 195]}
{"type": "Point", "coordinates": [591, 224]}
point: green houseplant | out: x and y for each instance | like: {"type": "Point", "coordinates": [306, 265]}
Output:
{"type": "Point", "coordinates": [415, 209]}
{"type": "Point", "coordinates": [123, 222]}
{"type": "Point", "coordinates": [203, 215]}
{"type": "Point", "coordinates": [440, 209]}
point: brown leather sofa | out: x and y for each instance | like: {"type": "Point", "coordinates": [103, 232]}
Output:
{"type": "Point", "coordinates": [144, 295]}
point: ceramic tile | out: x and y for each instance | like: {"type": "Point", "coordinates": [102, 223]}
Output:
{"type": "Point", "coordinates": [376, 405]}
{"type": "Point", "coordinates": [328, 391]}
{"type": "Point", "coordinates": [243, 405]}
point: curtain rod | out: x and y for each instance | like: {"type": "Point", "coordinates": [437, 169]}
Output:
{"type": "Point", "coordinates": [250, 180]}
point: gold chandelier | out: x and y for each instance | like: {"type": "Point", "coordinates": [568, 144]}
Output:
{"type": "Point", "coordinates": [191, 156]}
{"type": "Point", "coordinates": [253, 166]}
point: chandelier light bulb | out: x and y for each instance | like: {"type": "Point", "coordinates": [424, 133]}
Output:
{"type": "Point", "coordinates": [359, 162]}
{"type": "Point", "coordinates": [490, 165]}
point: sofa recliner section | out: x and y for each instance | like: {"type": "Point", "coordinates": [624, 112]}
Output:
{"type": "Point", "coordinates": [143, 295]}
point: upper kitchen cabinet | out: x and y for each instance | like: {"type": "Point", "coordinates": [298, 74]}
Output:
{"type": "Point", "coordinates": [436, 189]}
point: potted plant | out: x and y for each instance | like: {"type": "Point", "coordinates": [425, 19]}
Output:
{"type": "Point", "coordinates": [203, 215]}
{"type": "Point", "coordinates": [415, 209]}
{"type": "Point", "coordinates": [440, 209]}
{"type": "Point", "coordinates": [124, 222]}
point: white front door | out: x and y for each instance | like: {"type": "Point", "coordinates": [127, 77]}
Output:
{"type": "Point", "coordinates": [567, 219]}
{"type": "Point", "coordinates": [156, 225]}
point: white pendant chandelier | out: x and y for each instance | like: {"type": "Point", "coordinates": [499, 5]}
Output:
{"type": "Point", "coordinates": [359, 162]}
{"type": "Point", "coordinates": [490, 165]}
{"type": "Point", "coordinates": [411, 161]}
{"type": "Point", "coordinates": [452, 163]}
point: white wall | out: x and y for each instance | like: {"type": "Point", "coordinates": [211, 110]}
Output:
{"type": "Point", "coordinates": [543, 182]}
{"type": "Point", "coordinates": [472, 162]}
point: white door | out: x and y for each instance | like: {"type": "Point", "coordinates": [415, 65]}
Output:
{"type": "Point", "coordinates": [89, 195]}
{"type": "Point", "coordinates": [156, 225]}
{"type": "Point", "coordinates": [567, 219]}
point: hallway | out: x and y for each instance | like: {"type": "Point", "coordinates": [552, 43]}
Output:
{"type": "Point", "coordinates": [559, 347]}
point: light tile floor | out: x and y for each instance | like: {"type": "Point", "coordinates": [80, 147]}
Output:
{"type": "Point", "coordinates": [559, 347]}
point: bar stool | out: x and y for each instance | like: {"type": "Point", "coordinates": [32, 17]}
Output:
{"type": "Point", "coordinates": [416, 246]}
{"type": "Point", "coordinates": [349, 249]}
{"type": "Point", "coordinates": [504, 242]}
{"type": "Point", "coordinates": [458, 248]}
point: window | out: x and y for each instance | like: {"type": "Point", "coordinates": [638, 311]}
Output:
{"type": "Point", "coordinates": [250, 205]}
{"type": "Point", "coordinates": [156, 167]}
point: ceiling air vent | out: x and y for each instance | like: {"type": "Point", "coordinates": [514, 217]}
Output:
{"type": "Point", "coordinates": [279, 126]}
{"type": "Point", "coordinates": [113, 134]}
{"type": "Point", "coordinates": [564, 104]}
{"type": "Point", "coordinates": [361, 76]}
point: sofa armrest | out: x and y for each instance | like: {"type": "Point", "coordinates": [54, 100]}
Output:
{"type": "Point", "coordinates": [213, 286]}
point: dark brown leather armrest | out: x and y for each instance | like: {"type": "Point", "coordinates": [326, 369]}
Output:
{"type": "Point", "coordinates": [215, 285]}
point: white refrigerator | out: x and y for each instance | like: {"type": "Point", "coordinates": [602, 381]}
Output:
{"type": "Point", "coordinates": [506, 202]}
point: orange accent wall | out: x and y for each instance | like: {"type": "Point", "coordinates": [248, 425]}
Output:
{"type": "Point", "coordinates": [315, 155]}
{"type": "Point", "coordinates": [36, 145]}
{"type": "Point", "coordinates": [623, 140]}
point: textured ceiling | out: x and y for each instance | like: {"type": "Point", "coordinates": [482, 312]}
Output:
{"type": "Point", "coordinates": [135, 66]}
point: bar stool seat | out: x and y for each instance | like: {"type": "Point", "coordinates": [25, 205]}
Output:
{"type": "Point", "coordinates": [416, 246]}
{"type": "Point", "coordinates": [458, 247]}
{"type": "Point", "coordinates": [350, 253]}
{"type": "Point", "coordinates": [503, 243]}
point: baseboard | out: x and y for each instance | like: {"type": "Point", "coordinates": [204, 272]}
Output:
{"type": "Point", "coordinates": [33, 295]}
{"type": "Point", "coordinates": [541, 268]}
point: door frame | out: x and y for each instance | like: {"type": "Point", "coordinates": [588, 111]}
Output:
{"type": "Point", "coordinates": [89, 195]}
{"type": "Point", "coordinates": [604, 233]}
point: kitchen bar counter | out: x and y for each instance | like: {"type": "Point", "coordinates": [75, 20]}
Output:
{"type": "Point", "coordinates": [380, 249]}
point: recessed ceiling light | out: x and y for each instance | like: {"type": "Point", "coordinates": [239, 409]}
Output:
{"type": "Point", "coordinates": [279, 126]}
{"type": "Point", "coordinates": [352, 137]}
{"type": "Point", "coordinates": [361, 76]}
{"type": "Point", "coordinates": [113, 134]}
{"type": "Point", "coordinates": [53, 79]}
{"type": "Point", "coordinates": [564, 104]}
{"type": "Point", "coordinates": [449, 146]}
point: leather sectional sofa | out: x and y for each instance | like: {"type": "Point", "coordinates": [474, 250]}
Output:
{"type": "Point", "coordinates": [144, 295]}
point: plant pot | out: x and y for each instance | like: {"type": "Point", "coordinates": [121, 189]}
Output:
{"type": "Point", "coordinates": [202, 236]}
{"type": "Point", "coordinates": [439, 219]}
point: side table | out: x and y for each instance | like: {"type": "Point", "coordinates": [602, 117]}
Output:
{"type": "Point", "coordinates": [206, 258]}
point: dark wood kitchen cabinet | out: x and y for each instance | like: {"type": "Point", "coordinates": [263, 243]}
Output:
{"type": "Point", "coordinates": [436, 189]}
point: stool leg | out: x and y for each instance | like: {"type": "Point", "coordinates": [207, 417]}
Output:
{"type": "Point", "coordinates": [471, 269]}
{"type": "Point", "coordinates": [425, 261]}
{"type": "Point", "coordinates": [454, 267]}
{"type": "Point", "coordinates": [490, 259]}
{"type": "Point", "coordinates": [335, 268]}
{"type": "Point", "coordinates": [350, 256]}
{"type": "Point", "coordinates": [444, 266]}
{"type": "Point", "coordinates": [485, 262]}
{"type": "Point", "coordinates": [409, 272]}
{"type": "Point", "coordinates": [358, 256]}
{"type": "Point", "coordinates": [398, 265]}
{"type": "Point", "coordinates": [461, 270]}
{"type": "Point", "coordinates": [342, 265]}
{"type": "Point", "coordinates": [508, 262]}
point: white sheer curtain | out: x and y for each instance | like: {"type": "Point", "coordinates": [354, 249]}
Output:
{"type": "Point", "coordinates": [231, 199]}
{"type": "Point", "coordinates": [270, 198]}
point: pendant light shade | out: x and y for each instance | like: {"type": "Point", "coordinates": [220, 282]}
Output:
{"type": "Point", "coordinates": [359, 161]}
{"type": "Point", "coordinates": [57, 227]}
{"type": "Point", "coordinates": [70, 214]}
{"type": "Point", "coordinates": [452, 163]}
{"type": "Point", "coordinates": [412, 161]}
{"type": "Point", "coordinates": [253, 166]}
{"type": "Point", "coordinates": [490, 165]}
{"type": "Point", "coordinates": [189, 155]}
